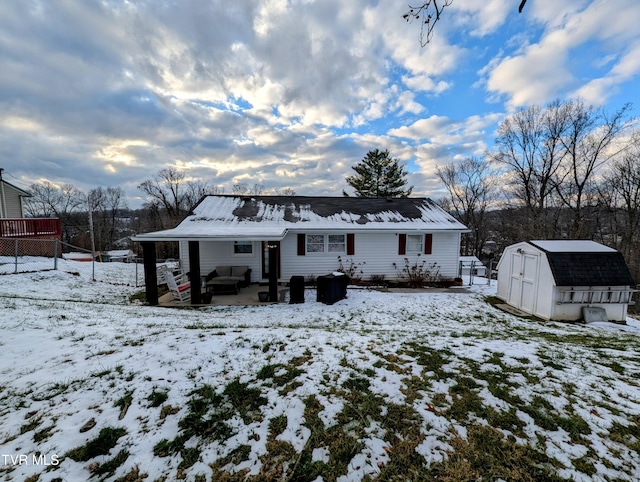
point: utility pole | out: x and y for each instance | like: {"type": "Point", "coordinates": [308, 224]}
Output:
{"type": "Point", "coordinates": [3, 213]}
{"type": "Point", "coordinates": [93, 239]}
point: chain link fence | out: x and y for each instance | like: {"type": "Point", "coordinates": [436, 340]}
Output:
{"type": "Point", "coordinates": [27, 255]}
{"type": "Point", "coordinates": [21, 255]}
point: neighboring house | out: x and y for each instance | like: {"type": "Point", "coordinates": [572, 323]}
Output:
{"type": "Point", "coordinates": [11, 200]}
{"type": "Point", "coordinates": [14, 225]}
{"type": "Point", "coordinates": [308, 234]}
{"type": "Point", "coordinates": [472, 265]}
{"type": "Point", "coordinates": [557, 280]}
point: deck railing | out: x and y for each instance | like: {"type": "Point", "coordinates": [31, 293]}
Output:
{"type": "Point", "coordinates": [30, 227]}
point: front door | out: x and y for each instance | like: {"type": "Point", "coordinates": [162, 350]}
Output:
{"type": "Point", "coordinates": [265, 257]}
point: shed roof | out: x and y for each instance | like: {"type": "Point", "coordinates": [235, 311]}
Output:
{"type": "Point", "coordinates": [585, 263]}
{"type": "Point", "coordinates": [270, 217]}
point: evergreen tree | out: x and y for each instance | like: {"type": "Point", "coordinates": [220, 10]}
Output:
{"type": "Point", "coordinates": [379, 175]}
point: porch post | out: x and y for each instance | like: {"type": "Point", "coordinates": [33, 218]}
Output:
{"type": "Point", "coordinates": [273, 271]}
{"type": "Point", "coordinates": [194, 272]}
{"type": "Point", "coordinates": [150, 274]}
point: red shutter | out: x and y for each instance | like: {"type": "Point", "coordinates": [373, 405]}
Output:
{"type": "Point", "coordinates": [302, 248]}
{"type": "Point", "coordinates": [351, 246]}
{"type": "Point", "coordinates": [402, 244]}
{"type": "Point", "coordinates": [428, 243]}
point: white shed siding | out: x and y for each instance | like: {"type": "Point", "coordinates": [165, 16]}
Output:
{"type": "Point", "coordinates": [570, 312]}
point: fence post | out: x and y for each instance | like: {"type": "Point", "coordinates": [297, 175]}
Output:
{"type": "Point", "coordinates": [55, 255]}
{"type": "Point", "coordinates": [16, 256]}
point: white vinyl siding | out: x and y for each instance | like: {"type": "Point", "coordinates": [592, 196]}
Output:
{"type": "Point", "coordinates": [221, 253]}
{"type": "Point", "coordinates": [376, 251]}
{"type": "Point", "coordinates": [13, 208]}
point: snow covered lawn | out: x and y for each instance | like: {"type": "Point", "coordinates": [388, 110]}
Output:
{"type": "Point", "coordinates": [379, 386]}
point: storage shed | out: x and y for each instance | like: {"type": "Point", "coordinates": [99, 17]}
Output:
{"type": "Point", "coordinates": [557, 280]}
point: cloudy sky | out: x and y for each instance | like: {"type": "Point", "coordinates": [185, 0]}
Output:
{"type": "Point", "coordinates": [288, 93]}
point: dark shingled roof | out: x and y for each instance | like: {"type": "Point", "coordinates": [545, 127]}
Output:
{"type": "Point", "coordinates": [408, 208]}
{"type": "Point", "coordinates": [589, 269]}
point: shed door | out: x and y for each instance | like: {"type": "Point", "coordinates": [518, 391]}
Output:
{"type": "Point", "coordinates": [524, 272]}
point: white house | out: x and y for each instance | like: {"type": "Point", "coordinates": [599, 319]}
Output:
{"type": "Point", "coordinates": [310, 233]}
{"type": "Point", "coordinates": [556, 280]}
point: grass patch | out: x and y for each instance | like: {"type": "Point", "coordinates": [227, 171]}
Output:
{"type": "Point", "coordinates": [108, 468]}
{"type": "Point", "coordinates": [277, 425]}
{"type": "Point", "coordinates": [486, 454]}
{"type": "Point", "coordinates": [157, 398]}
{"type": "Point", "coordinates": [101, 445]}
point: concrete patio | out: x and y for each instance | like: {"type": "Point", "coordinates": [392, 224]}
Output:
{"type": "Point", "coordinates": [246, 297]}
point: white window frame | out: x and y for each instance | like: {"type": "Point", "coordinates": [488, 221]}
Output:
{"type": "Point", "coordinates": [237, 243]}
{"type": "Point", "coordinates": [326, 244]}
{"type": "Point", "coordinates": [415, 246]}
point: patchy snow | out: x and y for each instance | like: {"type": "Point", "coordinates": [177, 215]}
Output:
{"type": "Point", "coordinates": [72, 349]}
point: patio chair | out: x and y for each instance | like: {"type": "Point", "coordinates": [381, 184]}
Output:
{"type": "Point", "coordinates": [178, 285]}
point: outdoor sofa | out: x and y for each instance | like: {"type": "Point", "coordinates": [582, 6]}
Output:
{"type": "Point", "coordinates": [228, 279]}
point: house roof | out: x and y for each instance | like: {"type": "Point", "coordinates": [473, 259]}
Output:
{"type": "Point", "coordinates": [270, 217]}
{"type": "Point", "coordinates": [585, 263]}
{"type": "Point", "coordinates": [571, 246]}
{"type": "Point", "coordinates": [21, 192]}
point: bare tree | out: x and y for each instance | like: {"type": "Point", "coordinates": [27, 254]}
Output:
{"type": "Point", "coordinates": [44, 200]}
{"type": "Point", "coordinates": [428, 13]}
{"type": "Point", "coordinates": [588, 142]}
{"type": "Point", "coordinates": [472, 188]}
{"type": "Point", "coordinates": [242, 188]}
{"type": "Point", "coordinates": [170, 191]}
{"type": "Point", "coordinates": [106, 206]}
{"type": "Point", "coordinates": [621, 188]}
{"type": "Point", "coordinates": [286, 191]}
{"type": "Point", "coordinates": [63, 202]}
{"type": "Point", "coordinates": [529, 145]}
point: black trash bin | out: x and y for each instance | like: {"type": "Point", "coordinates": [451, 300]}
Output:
{"type": "Point", "coordinates": [331, 288]}
{"type": "Point", "coordinates": [296, 289]}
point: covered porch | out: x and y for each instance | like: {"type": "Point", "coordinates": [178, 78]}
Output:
{"type": "Point", "coordinates": [264, 264]}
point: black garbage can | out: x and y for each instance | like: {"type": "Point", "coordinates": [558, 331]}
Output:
{"type": "Point", "coordinates": [296, 289]}
{"type": "Point", "coordinates": [331, 288]}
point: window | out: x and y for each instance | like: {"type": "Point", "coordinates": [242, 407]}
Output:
{"type": "Point", "coordinates": [242, 247]}
{"type": "Point", "coordinates": [336, 243]}
{"type": "Point", "coordinates": [315, 243]}
{"type": "Point", "coordinates": [326, 243]}
{"type": "Point", "coordinates": [414, 243]}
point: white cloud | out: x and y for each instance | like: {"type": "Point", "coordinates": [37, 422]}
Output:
{"type": "Point", "coordinates": [546, 69]}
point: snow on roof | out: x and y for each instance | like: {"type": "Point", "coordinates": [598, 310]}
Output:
{"type": "Point", "coordinates": [270, 217]}
{"type": "Point", "coordinates": [468, 259]}
{"type": "Point", "coordinates": [571, 246]}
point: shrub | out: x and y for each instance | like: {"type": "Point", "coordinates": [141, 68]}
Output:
{"type": "Point", "coordinates": [351, 269]}
{"type": "Point", "coordinates": [419, 273]}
